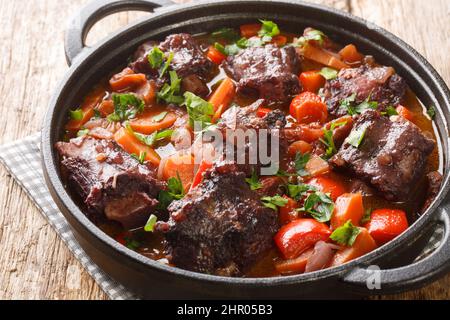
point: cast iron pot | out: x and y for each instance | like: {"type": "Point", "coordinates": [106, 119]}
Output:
{"type": "Point", "coordinates": [151, 279]}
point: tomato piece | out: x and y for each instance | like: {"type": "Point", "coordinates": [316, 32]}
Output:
{"type": "Point", "coordinates": [328, 185]}
{"type": "Point", "coordinates": [405, 113]}
{"type": "Point", "coordinates": [215, 55]}
{"type": "Point", "coordinates": [386, 224]}
{"type": "Point", "coordinates": [204, 165]}
{"type": "Point", "coordinates": [308, 107]}
{"type": "Point", "coordinates": [349, 206]}
{"type": "Point", "coordinates": [287, 213]}
{"type": "Point", "coordinates": [299, 235]}
{"type": "Point", "coordinates": [311, 81]}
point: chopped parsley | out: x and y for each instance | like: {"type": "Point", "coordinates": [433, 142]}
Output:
{"type": "Point", "coordinates": [346, 234]}
{"type": "Point", "coordinates": [150, 225]}
{"type": "Point", "coordinates": [348, 104]}
{"type": "Point", "coordinates": [131, 243]}
{"type": "Point", "coordinates": [390, 111]}
{"type": "Point", "coordinates": [76, 115]}
{"type": "Point", "coordinates": [150, 139]}
{"type": "Point", "coordinates": [274, 202]}
{"type": "Point", "coordinates": [269, 29]}
{"type": "Point", "coordinates": [311, 35]}
{"type": "Point", "coordinates": [140, 158]}
{"type": "Point", "coordinates": [199, 110]}
{"type": "Point", "coordinates": [328, 140]}
{"type": "Point", "coordinates": [229, 34]}
{"type": "Point", "coordinates": [82, 132]}
{"type": "Point", "coordinates": [328, 73]}
{"type": "Point", "coordinates": [155, 58]}
{"type": "Point", "coordinates": [253, 181]}
{"type": "Point", "coordinates": [356, 136]}
{"type": "Point", "coordinates": [366, 217]}
{"type": "Point", "coordinates": [431, 112]}
{"type": "Point", "coordinates": [300, 162]}
{"type": "Point", "coordinates": [166, 65]}
{"type": "Point", "coordinates": [175, 191]}
{"type": "Point", "coordinates": [170, 93]}
{"type": "Point", "coordinates": [297, 191]}
{"type": "Point", "coordinates": [319, 205]}
{"type": "Point", "coordinates": [159, 117]}
{"type": "Point", "coordinates": [126, 106]}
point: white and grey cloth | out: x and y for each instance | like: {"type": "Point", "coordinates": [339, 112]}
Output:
{"type": "Point", "coordinates": [23, 161]}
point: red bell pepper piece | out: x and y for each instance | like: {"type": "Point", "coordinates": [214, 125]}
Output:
{"type": "Point", "coordinates": [287, 213]}
{"type": "Point", "coordinates": [386, 224]}
{"type": "Point", "coordinates": [204, 165]}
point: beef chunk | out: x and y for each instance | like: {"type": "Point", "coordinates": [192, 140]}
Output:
{"type": "Point", "coordinates": [434, 180]}
{"type": "Point", "coordinates": [140, 63]}
{"type": "Point", "coordinates": [109, 180]}
{"type": "Point", "coordinates": [220, 227]}
{"type": "Point", "coordinates": [269, 72]}
{"type": "Point", "coordinates": [391, 156]}
{"type": "Point", "coordinates": [189, 58]}
{"type": "Point", "coordinates": [381, 83]}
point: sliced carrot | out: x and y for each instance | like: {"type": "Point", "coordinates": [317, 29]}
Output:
{"type": "Point", "coordinates": [87, 107]}
{"type": "Point", "coordinates": [106, 107]}
{"type": "Point", "coordinates": [328, 185]}
{"type": "Point", "coordinates": [323, 56]}
{"type": "Point", "coordinates": [363, 244]}
{"type": "Point", "coordinates": [312, 81]}
{"type": "Point", "coordinates": [215, 55]}
{"type": "Point", "coordinates": [296, 265]}
{"type": "Point", "coordinates": [279, 40]}
{"type": "Point", "coordinates": [180, 164]}
{"type": "Point", "coordinates": [386, 224]}
{"type": "Point", "coordinates": [316, 166]}
{"type": "Point", "coordinates": [287, 213]}
{"type": "Point", "coordinates": [133, 146]}
{"type": "Point", "coordinates": [299, 146]}
{"type": "Point", "coordinates": [306, 133]}
{"type": "Point", "coordinates": [405, 113]}
{"type": "Point", "coordinates": [262, 112]}
{"type": "Point", "coordinates": [204, 165]}
{"type": "Point", "coordinates": [308, 107]}
{"type": "Point", "coordinates": [250, 30]}
{"type": "Point", "coordinates": [127, 80]}
{"type": "Point", "coordinates": [222, 97]}
{"type": "Point", "coordinates": [147, 92]}
{"type": "Point", "coordinates": [145, 123]}
{"type": "Point", "coordinates": [350, 54]}
{"type": "Point", "coordinates": [349, 206]}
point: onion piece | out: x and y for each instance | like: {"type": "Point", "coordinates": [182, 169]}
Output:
{"type": "Point", "coordinates": [321, 257]}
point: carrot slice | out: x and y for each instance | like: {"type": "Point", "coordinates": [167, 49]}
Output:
{"type": "Point", "coordinates": [87, 108]}
{"type": "Point", "coordinates": [349, 206]}
{"type": "Point", "coordinates": [299, 146]}
{"type": "Point", "coordinates": [250, 30]}
{"type": "Point", "coordinates": [126, 80]}
{"type": "Point", "coordinates": [363, 244]}
{"type": "Point", "coordinates": [279, 40]}
{"type": "Point", "coordinates": [405, 113]}
{"type": "Point", "coordinates": [182, 165]}
{"type": "Point", "coordinates": [308, 107]}
{"type": "Point", "coordinates": [150, 121]}
{"type": "Point", "coordinates": [132, 145]}
{"type": "Point", "coordinates": [312, 81]}
{"type": "Point", "coordinates": [106, 107]}
{"type": "Point", "coordinates": [296, 265]}
{"type": "Point", "coordinates": [204, 165]}
{"type": "Point", "coordinates": [316, 166]}
{"type": "Point", "coordinates": [215, 55]}
{"type": "Point", "coordinates": [323, 56]}
{"type": "Point", "coordinates": [350, 54]}
{"type": "Point", "coordinates": [222, 97]}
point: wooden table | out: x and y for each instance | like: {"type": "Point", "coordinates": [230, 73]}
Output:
{"type": "Point", "coordinates": [34, 263]}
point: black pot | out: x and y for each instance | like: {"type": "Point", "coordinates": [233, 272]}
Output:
{"type": "Point", "coordinates": [154, 280]}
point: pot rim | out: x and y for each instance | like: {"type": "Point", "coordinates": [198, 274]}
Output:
{"type": "Point", "coordinates": [55, 183]}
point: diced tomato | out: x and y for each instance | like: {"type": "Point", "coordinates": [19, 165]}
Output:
{"type": "Point", "coordinates": [287, 213]}
{"type": "Point", "coordinates": [250, 30]}
{"type": "Point", "coordinates": [299, 146]}
{"type": "Point", "coordinates": [386, 224]}
{"type": "Point", "coordinates": [296, 265]}
{"type": "Point", "coordinates": [215, 55]}
{"type": "Point", "coordinates": [349, 206]}
{"type": "Point", "coordinates": [299, 235]}
{"type": "Point", "coordinates": [328, 185]}
{"type": "Point", "coordinates": [308, 107]}
{"type": "Point", "coordinates": [311, 81]}
{"type": "Point", "coordinates": [405, 113]}
{"type": "Point", "coordinates": [204, 165]}
{"type": "Point", "coordinates": [262, 112]}
{"type": "Point", "coordinates": [363, 244]}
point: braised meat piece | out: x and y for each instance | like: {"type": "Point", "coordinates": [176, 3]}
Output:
{"type": "Point", "coordinates": [434, 180]}
{"type": "Point", "coordinates": [268, 72]}
{"type": "Point", "coordinates": [109, 180]}
{"type": "Point", "coordinates": [378, 83]}
{"type": "Point", "coordinates": [220, 227]}
{"type": "Point", "coordinates": [391, 156]}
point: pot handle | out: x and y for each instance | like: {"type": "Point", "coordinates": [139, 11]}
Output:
{"type": "Point", "coordinates": [414, 275]}
{"type": "Point", "coordinates": [94, 11]}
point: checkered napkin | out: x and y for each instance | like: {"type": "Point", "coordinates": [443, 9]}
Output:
{"type": "Point", "coordinates": [23, 160]}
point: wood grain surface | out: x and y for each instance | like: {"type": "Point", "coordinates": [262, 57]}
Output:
{"type": "Point", "coordinates": [34, 263]}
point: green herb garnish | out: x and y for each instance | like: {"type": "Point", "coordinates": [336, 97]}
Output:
{"type": "Point", "coordinates": [328, 73]}
{"type": "Point", "coordinates": [319, 205]}
{"type": "Point", "coordinates": [390, 111]}
{"type": "Point", "coordinates": [229, 34]}
{"type": "Point", "coordinates": [150, 225]}
{"type": "Point", "coordinates": [166, 65]}
{"type": "Point", "coordinates": [140, 158]}
{"type": "Point", "coordinates": [76, 115]}
{"type": "Point", "coordinates": [159, 117]}
{"type": "Point", "coordinates": [311, 35]}
{"type": "Point", "coordinates": [269, 29]}
{"type": "Point", "coordinates": [199, 110]}
{"type": "Point", "coordinates": [300, 162]}
{"type": "Point", "coordinates": [356, 136]}
{"type": "Point", "coordinates": [366, 217]}
{"type": "Point", "coordinates": [253, 181]}
{"type": "Point", "coordinates": [131, 243]}
{"type": "Point", "coordinates": [150, 139]}
{"type": "Point", "coordinates": [175, 191]}
{"type": "Point", "coordinates": [274, 202]}
{"type": "Point", "coordinates": [155, 57]}
{"type": "Point", "coordinates": [170, 93]}
{"type": "Point", "coordinates": [328, 140]}
{"type": "Point", "coordinates": [82, 132]}
{"type": "Point", "coordinates": [346, 234]}
{"type": "Point", "coordinates": [431, 112]}
{"type": "Point", "coordinates": [126, 106]}
{"type": "Point", "coordinates": [297, 191]}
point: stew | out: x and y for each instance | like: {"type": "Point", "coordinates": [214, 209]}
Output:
{"type": "Point", "coordinates": [353, 155]}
